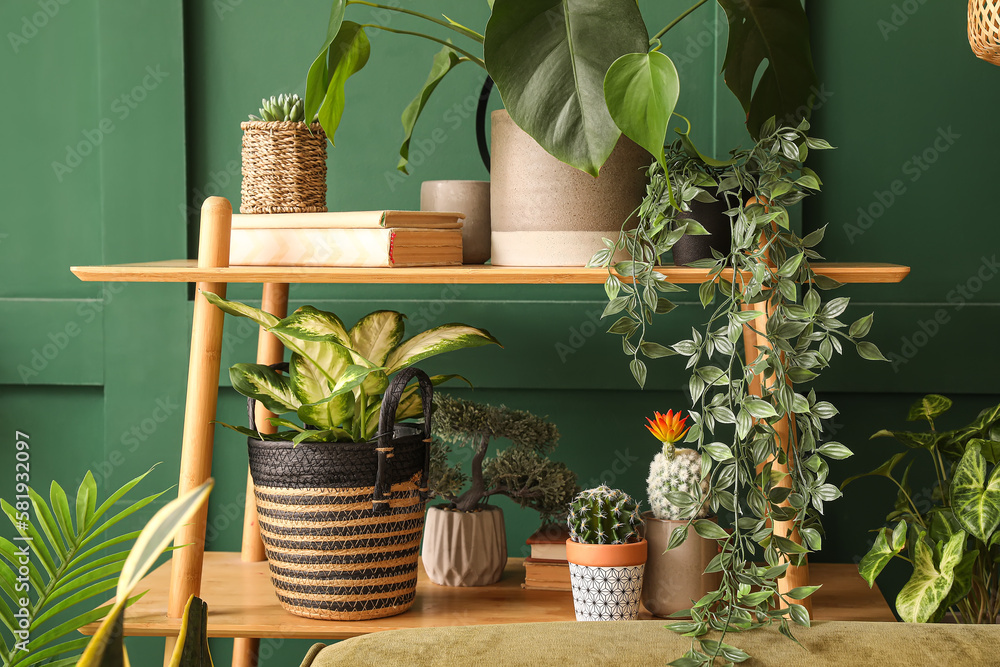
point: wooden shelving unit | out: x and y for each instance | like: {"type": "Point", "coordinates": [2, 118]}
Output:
{"type": "Point", "coordinates": [241, 601]}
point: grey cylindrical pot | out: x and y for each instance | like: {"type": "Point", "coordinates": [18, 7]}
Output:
{"type": "Point", "coordinates": [464, 548]}
{"type": "Point", "coordinates": [674, 578]}
{"type": "Point", "coordinates": [471, 198]}
{"type": "Point", "coordinates": [545, 212]}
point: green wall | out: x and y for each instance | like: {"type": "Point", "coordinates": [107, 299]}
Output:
{"type": "Point", "coordinates": [96, 374]}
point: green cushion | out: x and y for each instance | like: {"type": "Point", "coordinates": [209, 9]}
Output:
{"type": "Point", "coordinates": [644, 643]}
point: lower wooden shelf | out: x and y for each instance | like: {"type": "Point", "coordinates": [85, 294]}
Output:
{"type": "Point", "coordinates": [242, 603]}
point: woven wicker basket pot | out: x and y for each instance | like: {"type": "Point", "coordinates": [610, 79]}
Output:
{"type": "Point", "coordinates": [284, 168]}
{"type": "Point", "coordinates": [342, 522]}
{"type": "Point", "coordinates": [984, 29]}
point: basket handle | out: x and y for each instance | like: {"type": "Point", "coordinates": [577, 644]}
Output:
{"type": "Point", "coordinates": [386, 423]}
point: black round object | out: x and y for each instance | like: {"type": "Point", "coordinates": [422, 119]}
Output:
{"type": "Point", "coordinates": [712, 216]}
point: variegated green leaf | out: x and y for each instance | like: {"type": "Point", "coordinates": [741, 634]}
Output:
{"type": "Point", "coordinates": [328, 414]}
{"type": "Point", "coordinates": [266, 385]}
{"type": "Point", "coordinates": [410, 405]}
{"type": "Point", "coordinates": [974, 500]}
{"type": "Point", "coordinates": [373, 337]}
{"type": "Point", "coordinates": [929, 407]}
{"type": "Point", "coordinates": [191, 649]}
{"type": "Point", "coordinates": [435, 341]}
{"type": "Point", "coordinates": [241, 310]}
{"type": "Point", "coordinates": [880, 554]}
{"type": "Point", "coordinates": [930, 584]}
{"type": "Point", "coordinates": [308, 323]}
{"type": "Point", "coordinates": [309, 382]}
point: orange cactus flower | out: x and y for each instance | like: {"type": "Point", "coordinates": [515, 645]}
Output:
{"type": "Point", "coordinates": [668, 428]}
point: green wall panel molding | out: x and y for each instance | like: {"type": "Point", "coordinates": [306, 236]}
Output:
{"type": "Point", "coordinates": [53, 341]}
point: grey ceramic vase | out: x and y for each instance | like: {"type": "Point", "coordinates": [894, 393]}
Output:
{"type": "Point", "coordinates": [545, 212]}
{"type": "Point", "coordinates": [471, 198]}
{"type": "Point", "coordinates": [464, 548]}
{"type": "Point", "coordinates": [674, 578]}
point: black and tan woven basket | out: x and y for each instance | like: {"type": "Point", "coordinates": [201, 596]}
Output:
{"type": "Point", "coordinates": [342, 522]}
{"type": "Point", "coordinates": [284, 167]}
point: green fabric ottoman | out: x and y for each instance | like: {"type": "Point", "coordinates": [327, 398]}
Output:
{"type": "Point", "coordinates": [648, 643]}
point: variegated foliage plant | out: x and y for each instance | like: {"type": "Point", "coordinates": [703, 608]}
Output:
{"type": "Point", "coordinates": [337, 375]}
{"type": "Point", "coordinates": [954, 545]}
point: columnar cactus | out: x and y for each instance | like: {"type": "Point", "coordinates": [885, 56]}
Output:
{"type": "Point", "coordinates": [604, 516]}
{"type": "Point", "coordinates": [281, 108]}
{"type": "Point", "coordinates": [675, 470]}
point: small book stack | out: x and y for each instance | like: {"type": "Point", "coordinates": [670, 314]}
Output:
{"type": "Point", "coordinates": [547, 569]}
{"type": "Point", "coordinates": [349, 239]}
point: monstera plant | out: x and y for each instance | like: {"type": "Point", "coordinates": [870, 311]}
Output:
{"type": "Point", "coordinates": [336, 376]}
{"type": "Point", "coordinates": [576, 74]}
{"type": "Point", "coordinates": [954, 545]}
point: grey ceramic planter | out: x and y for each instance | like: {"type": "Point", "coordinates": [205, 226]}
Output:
{"type": "Point", "coordinates": [674, 578]}
{"type": "Point", "coordinates": [546, 213]}
{"type": "Point", "coordinates": [471, 198]}
{"type": "Point", "coordinates": [464, 548]}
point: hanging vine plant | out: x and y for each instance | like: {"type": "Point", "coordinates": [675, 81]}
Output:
{"type": "Point", "coordinates": [766, 276]}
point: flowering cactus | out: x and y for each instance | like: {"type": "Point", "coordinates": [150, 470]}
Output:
{"type": "Point", "coordinates": [674, 470]}
{"type": "Point", "coordinates": [604, 516]}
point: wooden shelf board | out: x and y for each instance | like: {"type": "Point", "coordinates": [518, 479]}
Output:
{"type": "Point", "coordinates": [242, 603]}
{"type": "Point", "coordinates": [185, 271]}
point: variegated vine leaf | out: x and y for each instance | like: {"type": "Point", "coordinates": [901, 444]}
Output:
{"type": "Point", "coordinates": [444, 338]}
{"type": "Point", "coordinates": [882, 552]}
{"type": "Point", "coordinates": [372, 338]}
{"type": "Point", "coordinates": [974, 500]}
{"type": "Point", "coordinates": [929, 586]}
{"type": "Point", "coordinates": [265, 385]}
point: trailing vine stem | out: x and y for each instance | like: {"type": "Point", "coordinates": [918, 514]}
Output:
{"type": "Point", "coordinates": [765, 275]}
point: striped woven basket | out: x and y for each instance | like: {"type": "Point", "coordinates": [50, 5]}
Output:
{"type": "Point", "coordinates": [341, 522]}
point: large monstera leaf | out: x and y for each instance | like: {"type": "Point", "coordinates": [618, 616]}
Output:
{"type": "Point", "coordinates": [775, 32]}
{"type": "Point", "coordinates": [974, 499]}
{"type": "Point", "coordinates": [549, 59]}
{"type": "Point", "coordinates": [930, 584]}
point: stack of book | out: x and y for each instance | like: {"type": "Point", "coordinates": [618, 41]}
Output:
{"type": "Point", "coordinates": [351, 239]}
{"type": "Point", "coordinates": [547, 569]}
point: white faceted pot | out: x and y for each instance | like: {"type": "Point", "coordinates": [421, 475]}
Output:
{"type": "Point", "coordinates": [606, 580]}
{"type": "Point", "coordinates": [464, 548]}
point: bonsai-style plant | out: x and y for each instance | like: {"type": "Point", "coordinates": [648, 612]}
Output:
{"type": "Point", "coordinates": [465, 541]}
{"type": "Point", "coordinates": [522, 472]}
{"type": "Point", "coordinates": [772, 471]}
{"type": "Point", "coordinates": [66, 554]}
{"type": "Point", "coordinates": [953, 547]}
{"type": "Point", "coordinates": [575, 75]}
{"type": "Point", "coordinates": [606, 555]}
{"type": "Point", "coordinates": [284, 159]}
{"type": "Point", "coordinates": [336, 376]}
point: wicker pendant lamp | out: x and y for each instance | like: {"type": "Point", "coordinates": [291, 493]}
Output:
{"type": "Point", "coordinates": [984, 29]}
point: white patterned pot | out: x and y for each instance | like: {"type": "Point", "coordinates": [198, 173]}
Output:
{"type": "Point", "coordinates": [606, 579]}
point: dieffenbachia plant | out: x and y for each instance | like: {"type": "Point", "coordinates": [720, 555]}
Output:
{"type": "Point", "coordinates": [954, 546]}
{"type": "Point", "coordinates": [337, 375]}
{"type": "Point", "coordinates": [767, 270]}
{"type": "Point", "coordinates": [577, 74]}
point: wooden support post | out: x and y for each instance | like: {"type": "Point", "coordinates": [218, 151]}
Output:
{"type": "Point", "coordinates": [795, 576]}
{"type": "Point", "coordinates": [270, 350]}
{"type": "Point", "coordinates": [200, 405]}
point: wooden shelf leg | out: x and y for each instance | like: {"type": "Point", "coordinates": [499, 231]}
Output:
{"type": "Point", "coordinates": [796, 575]}
{"type": "Point", "coordinates": [269, 351]}
{"type": "Point", "coordinates": [200, 404]}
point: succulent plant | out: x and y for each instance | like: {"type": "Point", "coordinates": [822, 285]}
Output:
{"type": "Point", "coordinates": [676, 471]}
{"type": "Point", "coordinates": [604, 516]}
{"type": "Point", "coordinates": [281, 108]}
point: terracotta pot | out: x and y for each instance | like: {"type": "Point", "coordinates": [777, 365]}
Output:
{"type": "Point", "coordinates": [606, 579]}
{"type": "Point", "coordinates": [471, 198]}
{"type": "Point", "coordinates": [675, 578]}
{"type": "Point", "coordinates": [712, 216]}
{"type": "Point", "coordinates": [464, 548]}
{"type": "Point", "coordinates": [545, 212]}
